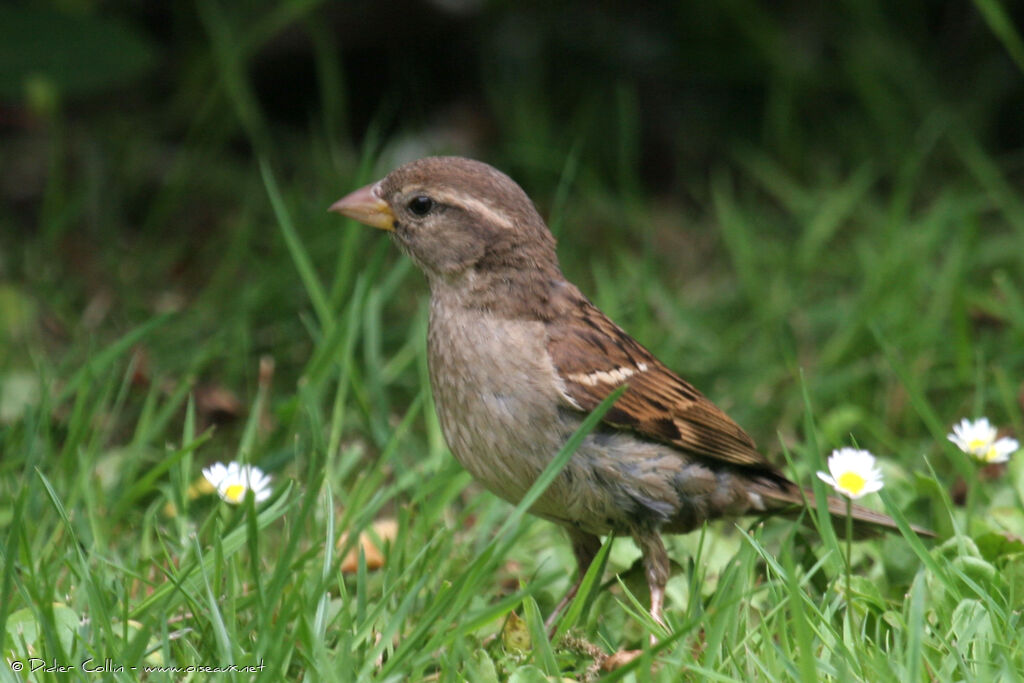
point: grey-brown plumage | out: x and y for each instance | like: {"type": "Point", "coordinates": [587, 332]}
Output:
{"type": "Point", "coordinates": [518, 357]}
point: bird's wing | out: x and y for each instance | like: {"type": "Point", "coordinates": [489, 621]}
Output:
{"type": "Point", "coordinates": [594, 356]}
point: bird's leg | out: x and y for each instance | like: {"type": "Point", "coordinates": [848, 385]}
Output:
{"type": "Point", "coordinates": [584, 547]}
{"type": "Point", "coordinates": [656, 567]}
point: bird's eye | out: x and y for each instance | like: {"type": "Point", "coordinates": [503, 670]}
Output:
{"type": "Point", "coordinates": [421, 205]}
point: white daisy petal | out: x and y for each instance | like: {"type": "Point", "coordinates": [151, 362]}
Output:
{"type": "Point", "coordinates": [1001, 450]}
{"type": "Point", "coordinates": [977, 438]}
{"type": "Point", "coordinates": [852, 473]}
{"type": "Point", "coordinates": [234, 481]}
{"type": "Point", "coordinates": [215, 474]}
{"type": "Point", "coordinates": [871, 486]}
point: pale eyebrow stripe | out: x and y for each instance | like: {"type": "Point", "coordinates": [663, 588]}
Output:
{"type": "Point", "coordinates": [471, 204]}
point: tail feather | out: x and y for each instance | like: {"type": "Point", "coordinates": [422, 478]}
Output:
{"type": "Point", "coordinates": [866, 522]}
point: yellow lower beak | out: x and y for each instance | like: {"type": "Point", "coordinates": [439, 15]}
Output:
{"type": "Point", "coordinates": [366, 206]}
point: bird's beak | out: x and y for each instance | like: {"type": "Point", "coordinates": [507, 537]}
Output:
{"type": "Point", "coordinates": [366, 206]}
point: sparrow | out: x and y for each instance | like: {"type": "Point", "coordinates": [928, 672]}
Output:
{"type": "Point", "coordinates": [518, 357]}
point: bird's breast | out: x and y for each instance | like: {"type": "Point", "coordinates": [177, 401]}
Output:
{"type": "Point", "coordinates": [495, 390]}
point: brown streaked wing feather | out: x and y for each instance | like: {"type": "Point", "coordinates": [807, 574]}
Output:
{"type": "Point", "coordinates": [594, 356]}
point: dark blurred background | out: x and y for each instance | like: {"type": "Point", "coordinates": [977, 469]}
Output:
{"type": "Point", "coordinates": [130, 134]}
{"type": "Point", "coordinates": [659, 91]}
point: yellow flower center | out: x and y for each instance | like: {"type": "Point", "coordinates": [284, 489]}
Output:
{"type": "Point", "coordinates": [851, 481]}
{"type": "Point", "coordinates": [977, 445]}
{"type": "Point", "coordinates": [991, 454]}
{"type": "Point", "coordinates": [235, 492]}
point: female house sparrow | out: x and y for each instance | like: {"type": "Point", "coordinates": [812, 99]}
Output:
{"type": "Point", "coordinates": [518, 357]}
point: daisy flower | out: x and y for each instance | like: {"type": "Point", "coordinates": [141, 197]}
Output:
{"type": "Point", "coordinates": [978, 438]}
{"type": "Point", "coordinates": [852, 472]}
{"type": "Point", "coordinates": [233, 480]}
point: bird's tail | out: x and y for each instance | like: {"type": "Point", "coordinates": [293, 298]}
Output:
{"type": "Point", "coordinates": [866, 522]}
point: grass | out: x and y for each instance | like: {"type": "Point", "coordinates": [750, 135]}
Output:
{"type": "Point", "coordinates": [822, 297]}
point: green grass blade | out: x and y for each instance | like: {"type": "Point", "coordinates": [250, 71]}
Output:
{"type": "Point", "coordinates": [310, 280]}
{"type": "Point", "coordinates": [543, 655]}
{"type": "Point", "coordinates": [1002, 25]}
{"type": "Point", "coordinates": [102, 360]}
{"type": "Point", "coordinates": [587, 591]}
{"type": "Point", "coordinates": [187, 580]}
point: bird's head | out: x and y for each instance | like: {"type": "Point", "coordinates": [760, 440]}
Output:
{"type": "Point", "coordinates": [454, 215]}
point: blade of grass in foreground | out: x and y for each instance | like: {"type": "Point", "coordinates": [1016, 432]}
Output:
{"type": "Point", "coordinates": [543, 655]}
{"type": "Point", "coordinates": [454, 596]}
{"type": "Point", "coordinates": [916, 628]}
{"type": "Point", "coordinates": [806, 659]}
{"type": "Point", "coordinates": [189, 579]}
{"type": "Point", "coordinates": [7, 552]}
{"type": "Point", "coordinates": [556, 466]}
{"type": "Point", "coordinates": [586, 592]}
{"type": "Point", "coordinates": [99, 601]}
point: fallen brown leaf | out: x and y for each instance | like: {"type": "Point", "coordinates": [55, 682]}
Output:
{"type": "Point", "coordinates": [620, 659]}
{"type": "Point", "coordinates": [385, 529]}
{"type": "Point", "coordinates": [217, 404]}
